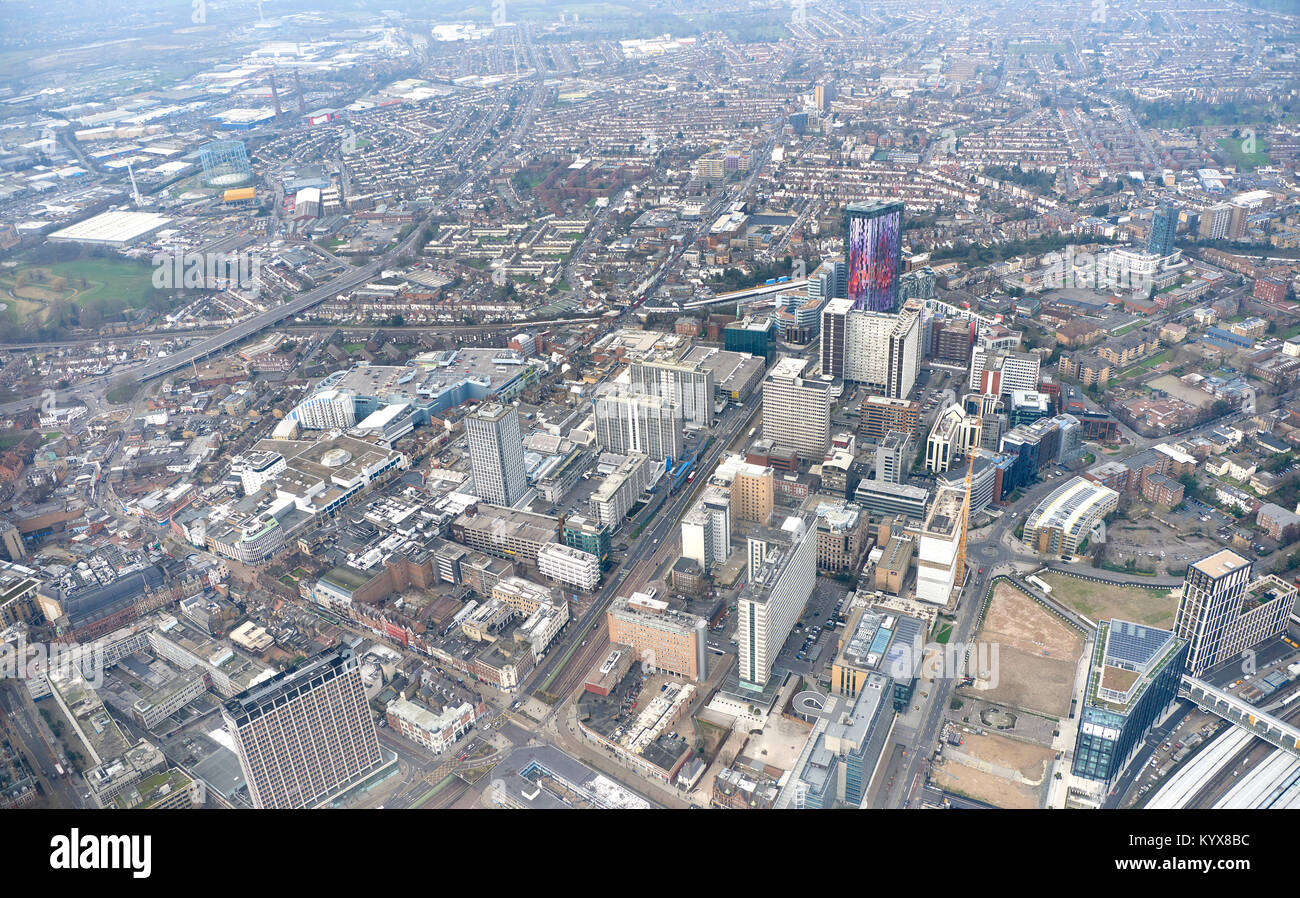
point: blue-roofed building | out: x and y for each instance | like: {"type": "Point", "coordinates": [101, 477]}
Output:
{"type": "Point", "coordinates": [1226, 339]}
{"type": "Point", "coordinates": [1132, 680]}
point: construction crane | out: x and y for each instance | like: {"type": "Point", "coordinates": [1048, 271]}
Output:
{"type": "Point", "coordinates": [965, 520]}
{"type": "Point", "coordinates": [136, 199]}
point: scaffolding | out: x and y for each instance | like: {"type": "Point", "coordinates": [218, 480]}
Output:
{"type": "Point", "coordinates": [965, 521]}
{"type": "Point", "coordinates": [225, 164]}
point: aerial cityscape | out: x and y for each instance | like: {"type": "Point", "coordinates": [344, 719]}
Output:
{"type": "Point", "coordinates": [744, 404]}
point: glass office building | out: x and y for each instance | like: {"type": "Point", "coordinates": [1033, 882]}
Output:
{"type": "Point", "coordinates": [1133, 678]}
{"type": "Point", "coordinates": [756, 336]}
{"type": "Point", "coordinates": [1164, 226]}
{"type": "Point", "coordinates": [581, 532]}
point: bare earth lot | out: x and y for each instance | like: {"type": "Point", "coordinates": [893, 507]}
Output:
{"type": "Point", "coordinates": [1179, 390]}
{"type": "Point", "coordinates": [998, 784]}
{"type": "Point", "coordinates": [1037, 654]}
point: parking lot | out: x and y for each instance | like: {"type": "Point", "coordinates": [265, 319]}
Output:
{"type": "Point", "coordinates": [811, 646]}
{"type": "Point", "coordinates": [1167, 541]}
{"type": "Point", "coordinates": [1195, 510]}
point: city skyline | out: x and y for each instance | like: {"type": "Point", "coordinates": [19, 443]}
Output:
{"type": "Point", "coordinates": [766, 406]}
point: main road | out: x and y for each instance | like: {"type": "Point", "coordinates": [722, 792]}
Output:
{"type": "Point", "coordinates": [984, 556]}
{"type": "Point", "coordinates": [642, 547]}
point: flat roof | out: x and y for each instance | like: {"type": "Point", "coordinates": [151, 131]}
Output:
{"type": "Point", "coordinates": [1221, 562]}
{"type": "Point", "coordinates": [112, 227]}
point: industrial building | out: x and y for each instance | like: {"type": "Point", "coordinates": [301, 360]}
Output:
{"type": "Point", "coordinates": [117, 229]}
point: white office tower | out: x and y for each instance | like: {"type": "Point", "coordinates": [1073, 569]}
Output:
{"type": "Point", "coordinates": [998, 373]}
{"type": "Point", "coordinates": [936, 560]}
{"type": "Point", "coordinates": [797, 412]}
{"type": "Point", "coordinates": [326, 410]}
{"type": "Point", "coordinates": [1224, 612]}
{"type": "Point", "coordinates": [689, 384]}
{"type": "Point", "coordinates": [879, 349]}
{"type": "Point", "coordinates": [706, 529]}
{"type": "Point", "coordinates": [954, 436]}
{"type": "Point", "coordinates": [629, 421]}
{"type": "Point", "coordinates": [496, 454]}
{"type": "Point", "coordinates": [260, 466]}
{"type": "Point", "coordinates": [894, 457]}
{"type": "Point", "coordinates": [782, 573]}
{"type": "Point", "coordinates": [306, 736]}
{"type": "Point", "coordinates": [568, 566]}
{"type": "Point", "coordinates": [903, 358]}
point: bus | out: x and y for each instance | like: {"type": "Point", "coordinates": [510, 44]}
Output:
{"type": "Point", "coordinates": [690, 476]}
{"type": "Point", "coordinates": [58, 768]}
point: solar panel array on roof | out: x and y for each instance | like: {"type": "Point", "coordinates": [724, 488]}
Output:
{"type": "Point", "coordinates": [1134, 644]}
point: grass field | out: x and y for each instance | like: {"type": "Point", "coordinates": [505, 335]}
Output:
{"type": "Point", "coordinates": [122, 393]}
{"type": "Point", "coordinates": [1240, 158]}
{"type": "Point", "coordinates": [1145, 364]}
{"type": "Point", "coordinates": [1105, 601]}
{"type": "Point", "coordinates": [115, 284]}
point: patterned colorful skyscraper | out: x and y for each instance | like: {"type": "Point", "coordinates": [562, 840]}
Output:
{"type": "Point", "coordinates": [873, 249]}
